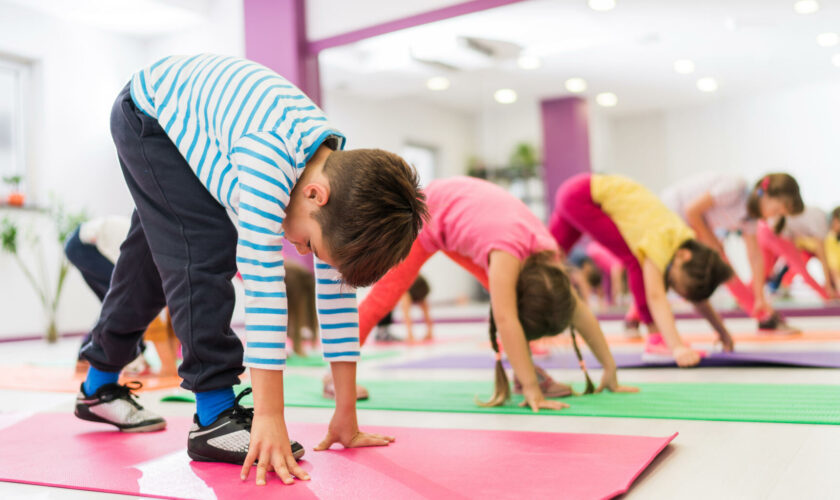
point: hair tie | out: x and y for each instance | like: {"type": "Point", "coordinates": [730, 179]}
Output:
{"type": "Point", "coordinates": [498, 356]}
{"type": "Point", "coordinates": [765, 183]}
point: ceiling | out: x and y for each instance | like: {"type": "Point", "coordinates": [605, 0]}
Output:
{"type": "Point", "coordinates": [748, 46]}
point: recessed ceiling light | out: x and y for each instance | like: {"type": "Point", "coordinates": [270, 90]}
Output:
{"type": "Point", "coordinates": [528, 61]}
{"type": "Point", "coordinates": [606, 99]}
{"type": "Point", "coordinates": [806, 6]}
{"type": "Point", "coordinates": [601, 5]}
{"type": "Point", "coordinates": [576, 85]}
{"type": "Point", "coordinates": [835, 60]}
{"type": "Point", "coordinates": [684, 66]}
{"type": "Point", "coordinates": [828, 39]}
{"type": "Point", "coordinates": [707, 84]}
{"type": "Point", "coordinates": [505, 96]}
{"type": "Point", "coordinates": [437, 83]}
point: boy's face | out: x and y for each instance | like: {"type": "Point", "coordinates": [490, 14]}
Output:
{"type": "Point", "coordinates": [304, 232]}
{"type": "Point", "coordinates": [300, 227]}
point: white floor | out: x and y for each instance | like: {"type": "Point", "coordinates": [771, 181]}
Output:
{"type": "Point", "coordinates": [707, 460]}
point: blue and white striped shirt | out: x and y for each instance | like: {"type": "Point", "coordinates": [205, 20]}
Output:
{"type": "Point", "coordinates": [248, 133]}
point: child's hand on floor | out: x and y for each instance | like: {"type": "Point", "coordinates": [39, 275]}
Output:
{"type": "Point", "coordinates": [609, 382]}
{"type": "Point", "coordinates": [686, 356]}
{"type": "Point", "coordinates": [535, 400]}
{"type": "Point", "coordinates": [345, 430]}
{"type": "Point", "coordinates": [270, 445]}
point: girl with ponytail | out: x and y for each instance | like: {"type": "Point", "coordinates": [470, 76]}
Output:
{"type": "Point", "coordinates": [495, 237]}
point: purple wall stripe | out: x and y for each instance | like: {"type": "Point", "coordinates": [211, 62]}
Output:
{"type": "Point", "coordinates": [316, 46]}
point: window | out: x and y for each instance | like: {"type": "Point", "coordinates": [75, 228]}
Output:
{"type": "Point", "coordinates": [12, 78]}
{"type": "Point", "coordinates": [422, 158]}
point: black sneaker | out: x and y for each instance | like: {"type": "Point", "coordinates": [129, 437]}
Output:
{"type": "Point", "coordinates": [227, 439]}
{"type": "Point", "coordinates": [115, 404]}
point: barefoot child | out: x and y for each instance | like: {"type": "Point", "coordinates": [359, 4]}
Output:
{"type": "Point", "coordinates": [495, 237]}
{"type": "Point", "coordinates": [198, 136]}
{"type": "Point", "coordinates": [657, 248]}
{"type": "Point", "coordinates": [712, 203]}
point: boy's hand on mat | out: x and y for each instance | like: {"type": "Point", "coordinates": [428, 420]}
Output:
{"type": "Point", "coordinates": [271, 448]}
{"type": "Point", "coordinates": [686, 356]}
{"type": "Point", "coordinates": [535, 399]}
{"type": "Point", "coordinates": [345, 430]}
{"type": "Point", "coordinates": [609, 382]}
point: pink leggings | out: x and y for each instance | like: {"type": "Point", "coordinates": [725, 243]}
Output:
{"type": "Point", "coordinates": [774, 246]}
{"type": "Point", "coordinates": [385, 294]}
{"type": "Point", "coordinates": [575, 213]}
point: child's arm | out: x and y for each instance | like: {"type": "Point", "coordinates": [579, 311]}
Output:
{"type": "Point", "coordinates": [502, 275]}
{"type": "Point", "coordinates": [708, 312]}
{"type": "Point", "coordinates": [344, 427]}
{"type": "Point", "coordinates": [586, 323]}
{"type": "Point", "coordinates": [756, 258]}
{"type": "Point", "coordinates": [269, 438]}
{"type": "Point", "coordinates": [427, 316]}
{"type": "Point", "coordinates": [663, 317]}
{"type": "Point", "coordinates": [821, 255]}
{"type": "Point", "coordinates": [405, 305]}
{"type": "Point", "coordinates": [617, 285]}
{"type": "Point", "coordinates": [694, 216]}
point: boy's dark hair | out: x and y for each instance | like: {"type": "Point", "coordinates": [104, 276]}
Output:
{"type": "Point", "coordinates": [419, 289]}
{"type": "Point", "coordinates": [545, 304]}
{"type": "Point", "coordinates": [704, 272]}
{"type": "Point", "coordinates": [835, 214]}
{"type": "Point", "coordinates": [778, 185]}
{"type": "Point", "coordinates": [373, 215]}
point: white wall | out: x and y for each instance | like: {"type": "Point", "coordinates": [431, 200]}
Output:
{"type": "Point", "coordinates": [389, 125]}
{"type": "Point", "coordinates": [77, 71]}
{"type": "Point", "coordinates": [793, 130]}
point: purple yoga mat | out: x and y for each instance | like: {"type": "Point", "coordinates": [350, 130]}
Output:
{"type": "Point", "coordinates": [802, 359]}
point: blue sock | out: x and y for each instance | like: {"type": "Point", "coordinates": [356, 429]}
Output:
{"type": "Point", "coordinates": [97, 378]}
{"type": "Point", "coordinates": [210, 404]}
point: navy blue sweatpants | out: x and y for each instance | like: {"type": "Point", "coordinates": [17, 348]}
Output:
{"type": "Point", "coordinates": [180, 252]}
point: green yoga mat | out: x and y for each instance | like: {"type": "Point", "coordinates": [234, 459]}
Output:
{"type": "Point", "coordinates": [794, 404]}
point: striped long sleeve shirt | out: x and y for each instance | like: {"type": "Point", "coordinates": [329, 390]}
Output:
{"type": "Point", "coordinates": [247, 133]}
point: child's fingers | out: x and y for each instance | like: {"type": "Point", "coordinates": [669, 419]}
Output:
{"type": "Point", "coordinates": [249, 461]}
{"type": "Point", "coordinates": [296, 469]}
{"type": "Point", "coordinates": [624, 388]}
{"type": "Point", "coordinates": [368, 440]}
{"type": "Point", "coordinates": [282, 470]}
{"type": "Point", "coordinates": [326, 443]}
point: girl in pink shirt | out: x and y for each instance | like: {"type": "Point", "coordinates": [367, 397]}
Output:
{"type": "Point", "coordinates": [502, 243]}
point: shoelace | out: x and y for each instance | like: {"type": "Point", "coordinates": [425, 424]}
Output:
{"type": "Point", "coordinates": [242, 415]}
{"type": "Point", "coordinates": [126, 392]}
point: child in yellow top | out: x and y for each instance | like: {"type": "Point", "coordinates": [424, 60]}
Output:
{"type": "Point", "coordinates": [657, 248]}
{"type": "Point", "coordinates": [832, 247]}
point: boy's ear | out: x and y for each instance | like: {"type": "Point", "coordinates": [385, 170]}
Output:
{"type": "Point", "coordinates": [317, 192]}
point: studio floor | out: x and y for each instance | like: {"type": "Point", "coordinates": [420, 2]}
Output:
{"type": "Point", "coordinates": [708, 459]}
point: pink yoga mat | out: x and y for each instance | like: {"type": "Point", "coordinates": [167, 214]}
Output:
{"type": "Point", "coordinates": [60, 450]}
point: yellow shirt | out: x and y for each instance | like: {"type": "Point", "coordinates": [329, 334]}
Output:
{"type": "Point", "coordinates": [832, 251]}
{"type": "Point", "coordinates": [649, 228]}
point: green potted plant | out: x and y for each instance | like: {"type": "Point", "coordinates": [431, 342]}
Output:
{"type": "Point", "coordinates": [523, 160]}
{"type": "Point", "coordinates": [15, 197]}
{"type": "Point", "coordinates": [49, 293]}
